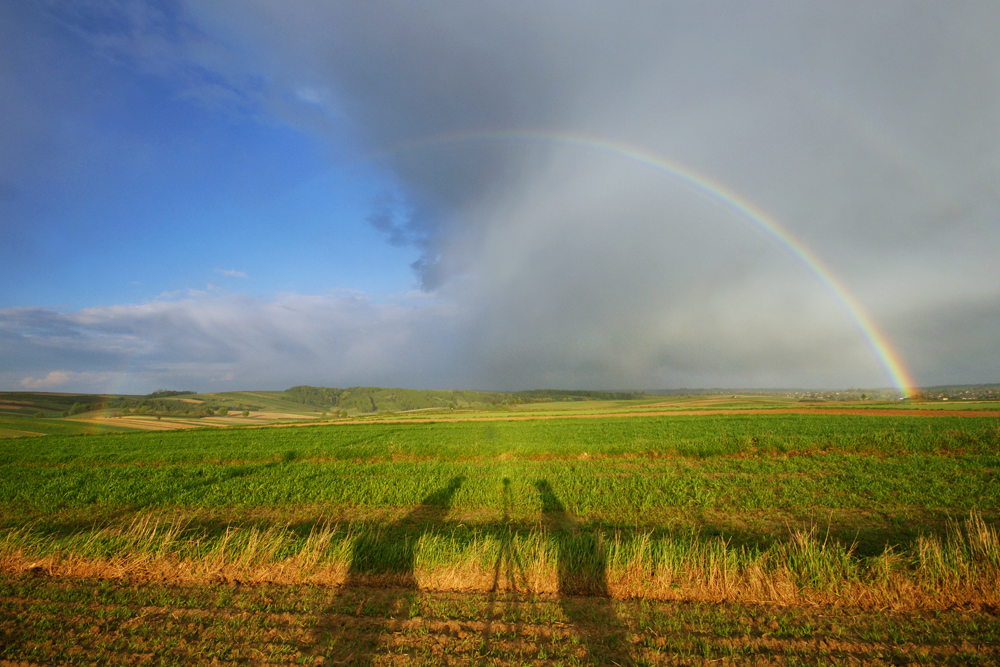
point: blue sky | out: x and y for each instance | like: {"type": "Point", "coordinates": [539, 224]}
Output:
{"type": "Point", "coordinates": [231, 195]}
{"type": "Point", "coordinates": [137, 190]}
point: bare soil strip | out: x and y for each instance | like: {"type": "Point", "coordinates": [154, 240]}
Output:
{"type": "Point", "coordinates": [47, 620]}
{"type": "Point", "coordinates": [151, 423]}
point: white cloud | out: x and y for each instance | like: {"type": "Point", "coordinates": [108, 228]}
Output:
{"type": "Point", "coordinates": [309, 95]}
{"type": "Point", "coordinates": [53, 379]}
{"type": "Point", "coordinates": [292, 339]}
{"type": "Point", "coordinates": [56, 379]}
{"type": "Point", "coordinates": [232, 273]}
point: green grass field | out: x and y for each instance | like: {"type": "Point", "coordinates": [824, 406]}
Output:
{"type": "Point", "coordinates": [867, 511]}
{"type": "Point", "coordinates": [868, 482]}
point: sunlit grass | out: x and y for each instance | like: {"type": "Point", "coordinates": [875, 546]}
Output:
{"type": "Point", "coordinates": [762, 507]}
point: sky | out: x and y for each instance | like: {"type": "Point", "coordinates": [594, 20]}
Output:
{"type": "Point", "coordinates": [222, 195]}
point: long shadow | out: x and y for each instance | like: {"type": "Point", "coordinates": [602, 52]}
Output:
{"type": "Point", "coordinates": [508, 568]}
{"type": "Point", "coordinates": [383, 559]}
{"type": "Point", "coordinates": [583, 584]}
{"type": "Point", "coordinates": [508, 577]}
{"type": "Point", "coordinates": [352, 628]}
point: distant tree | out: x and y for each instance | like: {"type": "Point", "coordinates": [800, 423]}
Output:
{"type": "Point", "coordinates": [39, 415]}
{"type": "Point", "coordinates": [864, 397]}
{"type": "Point", "coordinates": [246, 413]}
{"type": "Point", "coordinates": [65, 413]}
{"type": "Point", "coordinates": [223, 411]}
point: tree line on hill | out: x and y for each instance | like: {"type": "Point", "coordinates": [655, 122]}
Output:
{"type": "Point", "coordinates": [380, 399]}
{"type": "Point", "coordinates": [161, 402]}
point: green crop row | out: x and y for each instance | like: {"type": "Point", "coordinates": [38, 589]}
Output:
{"type": "Point", "coordinates": [613, 490]}
{"type": "Point", "coordinates": [761, 435]}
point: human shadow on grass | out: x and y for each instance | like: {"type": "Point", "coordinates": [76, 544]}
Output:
{"type": "Point", "coordinates": [583, 585]}
{"type": "Point", "coordinates": [380, 587]}
{"type": "Point", "coordinates": [508, 569]}
{"type": "Point", "coordinates": [509, 580]}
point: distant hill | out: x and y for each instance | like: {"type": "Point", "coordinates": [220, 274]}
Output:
{"type": "Point", "coordinates": [382, 399]}
{"type": "Point", "coordinates": [28, 403]}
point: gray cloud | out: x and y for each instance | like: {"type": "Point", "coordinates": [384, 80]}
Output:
{"type": "Point", "coordinates": [399, 223]}
{"type": "Point", "coordinates": [867, 130]}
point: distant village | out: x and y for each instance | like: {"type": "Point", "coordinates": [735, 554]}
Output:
{"type": "Point", "coordinates": [979, 392]}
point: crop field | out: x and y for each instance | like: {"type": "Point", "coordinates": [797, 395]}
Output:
{"type": "Point", "coordinates": [568, 538]}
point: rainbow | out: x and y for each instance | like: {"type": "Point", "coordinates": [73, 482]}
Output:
{"type": "Point", "coordinates": [888, 358]}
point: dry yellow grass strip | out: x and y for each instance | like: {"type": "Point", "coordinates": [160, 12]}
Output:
{"type": "Point", "coordinates": [962, 569]}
